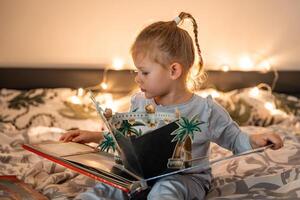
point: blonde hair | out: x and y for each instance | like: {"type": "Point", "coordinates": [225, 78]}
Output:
{"type": "Point", "coordinates": [174, 44]}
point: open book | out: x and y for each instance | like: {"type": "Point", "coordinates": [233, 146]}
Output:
{"type": "Point", "coordinates": [146, 144]}
{"type": "Point", "coordinates": [89, 161]}
{"type": "Point", "coordinates": [142, 158]}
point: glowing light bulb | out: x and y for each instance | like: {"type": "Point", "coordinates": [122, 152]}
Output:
{"type": "Point", "coordinates": [246, 63]}
{"type": "Point", "coordinates": [80, 92]}
{"type": "Point", "coordinates": [254, 92]}
{"type": "Point", "coordinates": [107, 101]}
{"type": "Point", "coordinates": [118, 63]}
{"type": "Point", "coordinates": [225, 68]}
{"type": "Point", "coordinates": [265, 66]}
{"type": "Point", "coordinates": [75, 100]}
{"type": "Point", "coordinates": [273, 110]}
{"type": "Point", "coordinates": [215, 94]}
{"type": "Point", "coordinates": [270, 106]}
{"type": "Point", "coordinates": [104, 85]}
{"type": "Point", "coordinates": [110, 104]}
{"type": "Point", "coordinates": [203, 94]}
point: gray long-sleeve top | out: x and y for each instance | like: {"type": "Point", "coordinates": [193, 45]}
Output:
{"type": "Point", "coordinates": [218, 127]}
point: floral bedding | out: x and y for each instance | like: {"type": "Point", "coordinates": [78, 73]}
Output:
{"type": "Point", "coordinates": [44, 114]}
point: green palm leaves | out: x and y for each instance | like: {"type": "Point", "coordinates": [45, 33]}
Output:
{"type": "Point", "coordinates": [187, 128]}
{"type": "Point", "coordinates": [128, 129]}
{"type": "Point", "coordinates": [107, 143]}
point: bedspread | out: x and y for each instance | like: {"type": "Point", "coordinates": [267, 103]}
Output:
{"type": "Point", "coordinates": [44, 114]}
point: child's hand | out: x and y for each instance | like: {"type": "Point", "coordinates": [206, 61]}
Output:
{"type": "Point", "coordinates": [81, 136]}
{"type": "Point", "coordinates": [264, 139]}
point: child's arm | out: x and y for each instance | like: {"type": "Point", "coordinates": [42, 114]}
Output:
{"type": "Point", "coordinates": [82, 136]}
{"type": "Point", "coordinates": [226, 133]}
{"type": "Point", "coordinates": [265, 138]}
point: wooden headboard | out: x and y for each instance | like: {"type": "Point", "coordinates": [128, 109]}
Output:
{"type": "Point", "coordinates": [123, 81]}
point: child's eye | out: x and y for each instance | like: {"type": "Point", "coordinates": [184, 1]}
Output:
{"type": "Point", "coordinates": [145, 73]}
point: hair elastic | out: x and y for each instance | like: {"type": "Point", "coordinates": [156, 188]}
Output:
{"type": "Point", "coordinates": [177, 20]}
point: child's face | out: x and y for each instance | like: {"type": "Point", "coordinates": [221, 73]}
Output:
{"type": "Point", "coordinates": [152, 78]}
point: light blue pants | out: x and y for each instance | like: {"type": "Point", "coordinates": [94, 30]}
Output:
{"type": "Point", "coordinates": [173, 187]}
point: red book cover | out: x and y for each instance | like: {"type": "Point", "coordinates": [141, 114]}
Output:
{"type": "Point", "coordinates": [86, 160]}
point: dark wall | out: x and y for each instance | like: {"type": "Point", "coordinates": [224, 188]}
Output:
{"type": "Point", "coordinates": [29, 78]}
{"type": "Point", "coordinates": [123, 81]}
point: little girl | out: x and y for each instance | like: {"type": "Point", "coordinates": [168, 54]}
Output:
{"type": "Point", "coordinates": [163, 54]}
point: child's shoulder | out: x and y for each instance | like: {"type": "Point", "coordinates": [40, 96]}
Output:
{"type": "Point", "coordinates": [210, 106]}
{"type": "Point", "coordinates": [207, 101]}
{"type": "Point", "coordinates": [214, 110]}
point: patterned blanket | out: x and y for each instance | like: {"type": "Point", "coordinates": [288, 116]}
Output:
{"type": "Point", "coordinates": [44, 114]}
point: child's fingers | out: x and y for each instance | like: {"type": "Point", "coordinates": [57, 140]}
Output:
{"type": "Point", "coordinates": [275, 140]}
{"type": "Point", "coordinates": [68, 136]}
{"type": "Point", "coordinates": [72, 136]}
{"type": "Point", "coordinates": [79, 138]}
{"type": "Point", "coordinates": [62, 138]}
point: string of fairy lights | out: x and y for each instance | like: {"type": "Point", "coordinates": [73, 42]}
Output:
{"type": "Point", "coordinates": [246, 64]}
{"type": "Point", "coordinates": [254, 92]}
{"type": "Point", "coordinates": [105, 98]}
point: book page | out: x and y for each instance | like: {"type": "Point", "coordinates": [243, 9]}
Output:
{"type": "Point", "coordinates": [64, 148]}
{"type": "Point", "coordinates": [94, 160]}
{"type": "Point", "coordinates": [104, 163]}
{"type": "Point", "coordinates": [86, 160]}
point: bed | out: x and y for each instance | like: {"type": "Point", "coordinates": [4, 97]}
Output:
{"type": "Point", "coordinates": [37, 106]}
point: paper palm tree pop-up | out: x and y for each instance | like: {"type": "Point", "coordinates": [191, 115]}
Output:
{"type": "Point", "coordinates": [184, 136]}
{"type": "Point", "coordinates": [128, 129]}
{"type": "Point", "coordinates": [108, 143]}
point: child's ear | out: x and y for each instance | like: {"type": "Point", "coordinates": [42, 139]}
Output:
{"type": "Point", "coordinates": [175, 70]}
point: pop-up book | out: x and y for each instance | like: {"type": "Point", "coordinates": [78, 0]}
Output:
{"type": "Point", "coordinates": [138, 147]}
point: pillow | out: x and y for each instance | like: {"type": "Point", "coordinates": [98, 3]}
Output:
{"type": "Point", "coordinates": [250, 106]}
{"type": "Point", "coordinates": [289, 104]}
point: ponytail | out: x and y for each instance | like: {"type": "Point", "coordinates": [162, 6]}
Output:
{"type": "Point", "coordinates": [199, 77]}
